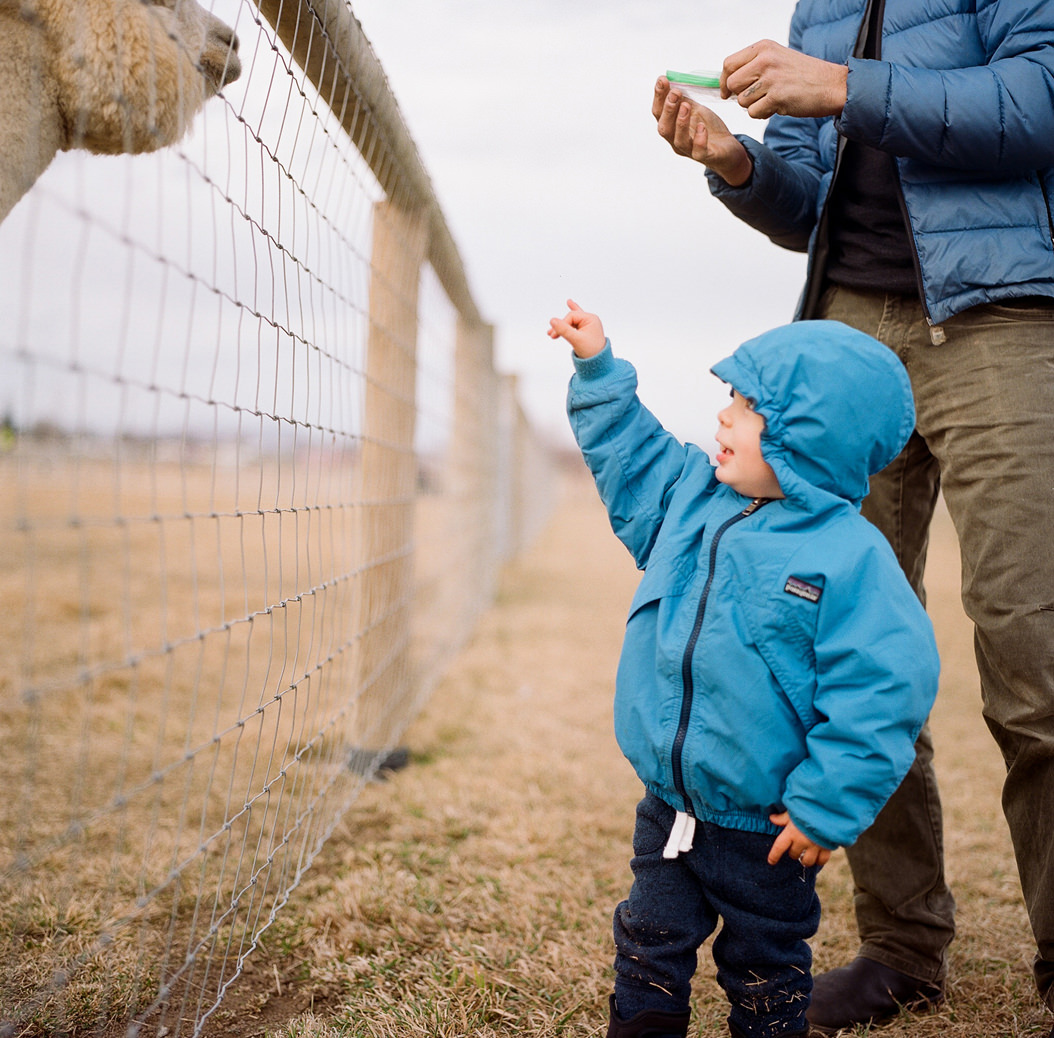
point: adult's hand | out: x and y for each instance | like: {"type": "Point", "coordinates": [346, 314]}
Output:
{"type": "Point", "coordinates": [770, 79]}
{"type": "Point", "coordinates": [700, 134]}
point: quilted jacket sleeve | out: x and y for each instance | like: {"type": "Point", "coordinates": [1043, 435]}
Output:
{"type": "Point", "coordinates": [780, 199]}
{"type": "Point", "coordinates": [994, 117]}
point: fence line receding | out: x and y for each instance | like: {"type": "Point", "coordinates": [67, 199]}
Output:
{"type": "Point", "coordinates": [259, 473]}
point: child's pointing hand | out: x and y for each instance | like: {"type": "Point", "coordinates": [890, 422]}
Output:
{"type": "Point", "coordinates": [582, 330]}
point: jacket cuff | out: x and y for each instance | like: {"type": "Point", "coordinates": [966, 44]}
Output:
{"type": "Point", "coordinates": [863, 118]}
{"type": "Point", "coordinates": [721, 188]}
{"type": "Point", "coordinates": [597, 366]}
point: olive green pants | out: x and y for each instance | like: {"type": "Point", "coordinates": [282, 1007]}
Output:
{"type": "Point", "coordinates": [984, 436]}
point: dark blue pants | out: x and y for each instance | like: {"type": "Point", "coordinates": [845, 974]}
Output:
{"type": "Point", "coordinates": [767, 913]}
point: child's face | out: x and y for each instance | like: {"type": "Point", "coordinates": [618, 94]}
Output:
{"type": "Point", "coordinates": [739, 461]}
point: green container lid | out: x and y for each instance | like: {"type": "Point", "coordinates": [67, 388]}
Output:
{"type": "Point", "coordinates": [710, 80]}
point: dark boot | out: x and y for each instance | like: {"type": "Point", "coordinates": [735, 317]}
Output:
{"type": "Point", "coordinates": [648, 1024]}
{"type": "Point", "coordinates": [866, 992]}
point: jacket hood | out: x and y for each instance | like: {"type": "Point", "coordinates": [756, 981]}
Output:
{"type": "Point", "coordinates": [837, 404]}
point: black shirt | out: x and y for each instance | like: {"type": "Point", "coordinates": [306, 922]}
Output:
{"type": "Point", "coordinates": [868, 237]}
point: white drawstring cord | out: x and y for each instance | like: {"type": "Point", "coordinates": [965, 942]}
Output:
{"type": "Point", "coordinates": [681, 835]}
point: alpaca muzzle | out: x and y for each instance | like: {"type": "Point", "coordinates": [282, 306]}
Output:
{"type": "Point", "coordinates": [220, 63]}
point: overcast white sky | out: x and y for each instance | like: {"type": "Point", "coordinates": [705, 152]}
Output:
{"type": "Point", "coordinates": [534, 121]}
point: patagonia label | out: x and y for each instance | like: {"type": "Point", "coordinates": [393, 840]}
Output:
{"type": "Point", "coordinates": [803, 589]}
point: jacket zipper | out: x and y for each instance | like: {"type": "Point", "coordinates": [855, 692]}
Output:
{"type": "Point", "coordinates": [937, 336]}
{"type": "Point", "coordinates": [818, 260]}
{"type": "Point", "coordinates": [1046, 202]}
{"type": "Point", "coordinates": [688, 693]}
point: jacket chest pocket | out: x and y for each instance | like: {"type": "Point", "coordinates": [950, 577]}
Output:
{"type": "Point", "coordinates": [785, 635]}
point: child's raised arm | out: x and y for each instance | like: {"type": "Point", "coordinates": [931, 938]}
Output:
{"type": "Point", "coordinates": [582, 330]}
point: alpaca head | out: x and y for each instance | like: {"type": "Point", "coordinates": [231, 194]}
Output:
{"type": "Point", "coordinates": [130, 75]}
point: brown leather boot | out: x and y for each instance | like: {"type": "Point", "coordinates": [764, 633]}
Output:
{"type": "Point", "coordinates": [648, 1024]}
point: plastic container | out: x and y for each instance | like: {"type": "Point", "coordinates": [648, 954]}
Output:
{"type": "Point", "coordinates": [701, 87]}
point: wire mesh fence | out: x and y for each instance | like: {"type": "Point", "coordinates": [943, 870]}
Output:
{"type": "Point", "coordinates": [258, 474]}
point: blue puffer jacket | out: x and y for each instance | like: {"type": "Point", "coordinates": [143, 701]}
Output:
{"type": "Point", "coordinates": [964, 99]}
{"type": "Point", "coordinates": [774, 654]}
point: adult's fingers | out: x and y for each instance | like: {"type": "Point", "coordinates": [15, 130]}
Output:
{"type": "Point", "coordinates": [662, 88]}
{"type": "Point", "coordinates": [732, 66]}
{"type": "Point", "coordinates": [678, 122]}
{"type": "Point", "coordinates": [668, 115]}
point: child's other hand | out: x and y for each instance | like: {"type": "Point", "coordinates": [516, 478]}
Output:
{"type": "Point", "coordinates": [583, 331]}
{"type": "Point", "coordinates": [793, 841]}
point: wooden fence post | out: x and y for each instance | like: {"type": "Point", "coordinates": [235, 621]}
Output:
{"type": "Point", "coordinates": [471, 466]}
{"type": "Point", "coordinates": [386, 677]}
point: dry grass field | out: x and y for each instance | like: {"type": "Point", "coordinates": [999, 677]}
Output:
{"type": "Point", "coordinates": [182, 676]}
{"type": "Point", "coordinates": [151, 738]}
{"type": "Point", "coordinates": [471, 894]}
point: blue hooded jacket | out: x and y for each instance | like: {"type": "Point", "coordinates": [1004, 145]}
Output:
{"type": "Point", "coordinates": [963, 99]}
{"type": "Point", "coordinates": [775, 657]}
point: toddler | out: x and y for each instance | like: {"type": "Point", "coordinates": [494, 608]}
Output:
{"type": "Point", "coordinates": [776, 666]}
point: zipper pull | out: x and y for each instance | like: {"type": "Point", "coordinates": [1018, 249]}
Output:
{"type": "Point", "coordinates": [755, 505]}
{"type": "Point", "coordinates": [937, 336]}
{"type": "Point", "coordinates": [681, 835]}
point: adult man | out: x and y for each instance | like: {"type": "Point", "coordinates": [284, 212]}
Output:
{"type": "Point", "coordinates": [910, 150]}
